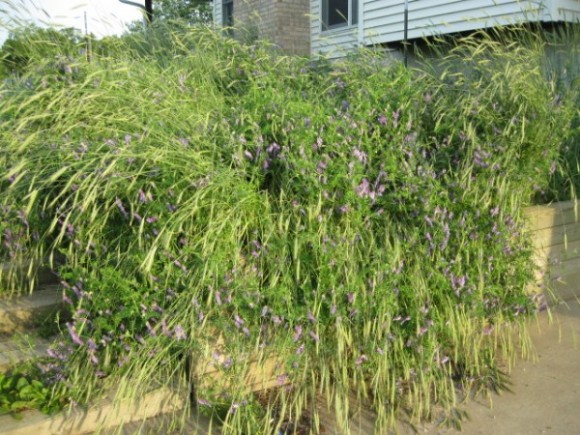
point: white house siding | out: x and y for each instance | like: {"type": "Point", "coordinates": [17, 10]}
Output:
{"type": "Point", "coordinates": [566, 10]}
{"type": "Point", "coordinates": [383, 19]}
{"type": "Point", "coordinates": [217, 13]}
{"type": "Point", "coordinates": [333, 43]}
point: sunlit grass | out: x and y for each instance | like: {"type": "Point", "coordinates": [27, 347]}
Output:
{"type": "Point", "coordinates": [361, 225]}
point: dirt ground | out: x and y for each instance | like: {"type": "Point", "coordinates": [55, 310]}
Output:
{"type": "Point", "coordinates": [545, 397]}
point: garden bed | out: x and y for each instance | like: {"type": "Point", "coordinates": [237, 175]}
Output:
{"type": "Point", "coordinates": [343, 229]}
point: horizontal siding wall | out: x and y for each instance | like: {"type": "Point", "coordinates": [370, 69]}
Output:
{"type": "Point", "coordinates": [566, 10]}
{"type": "Point", "coordinates": [383, 19]}
{"type": "Point", "coordinates": [217, 13]}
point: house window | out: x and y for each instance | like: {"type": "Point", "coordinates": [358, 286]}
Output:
{"type": "Point", "coordinates": [228, 13]}
{"type": "Point", "coordinates": [339, 13]}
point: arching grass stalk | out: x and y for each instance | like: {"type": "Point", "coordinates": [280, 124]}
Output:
{"type": "Point", "coordinates": [361, 226]}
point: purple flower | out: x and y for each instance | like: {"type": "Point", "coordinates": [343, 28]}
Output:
{"type": "Point", "coordinates": [142, 196]}
{"type": "Point", "coordinates": [91, 344]}
{"type": "Point", "coordinates": [73, 334]}
{"type": "Point", "coordinates": [363, 189]}
{"type": "Point", "coordinates": [314, 336]}
{"type": "Point", "coordinates": [238, 321]}
{"type": "Point", "coordinates": [164, 329]}
{"type": "Point", "coordinates": [361, 359]}
{"type": "Point", "coordinates": [318, 144]}
{"type": "Point", "coordinates": [396, 116]}
{"type": "Point", "coordinates": [360, 155]}
{"type": "Point", "coordinates": [150, 329]}
{"type": "Point", "coordinates": [300, 349]}
{"type": "Point", "coordinates": [311, 317]}
{"type": "Point", "coordinates": [282, 379]}
{"type": "Point", "coordinates": [229, 361]}
{"type": "Point", "coordinates": [274, 149]}
{"type": "Point", "coordinates": [179, 333]}
{"type": "Point", "coordinates": [382, 119]}
{"type": "Point", "coordinates": [297, 332]}
{"type": "Point", "coordinates": [179, 264]}
{"type": "Point", "coordinates": [344, 209]}
{"type": "Point", "coordinates": [119, 204]}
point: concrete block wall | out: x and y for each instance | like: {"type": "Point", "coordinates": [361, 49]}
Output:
{"type": "Point", "coordinates": [282, 22]}
{"type": "Point", "coordinates": [555, 231]}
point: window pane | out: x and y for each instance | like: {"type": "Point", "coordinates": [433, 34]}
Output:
{"type": "Point", "coordinates": [228, 13]}
{"type": "Point", "coordinates": [334, 13]}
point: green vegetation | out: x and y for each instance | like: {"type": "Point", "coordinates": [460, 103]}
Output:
{"type": "Point", "coordinates": [21, 390]}
{"type": "Point", "coordinates": [360, 224]}
{"type": "Point", "coordinates": [30, 45]}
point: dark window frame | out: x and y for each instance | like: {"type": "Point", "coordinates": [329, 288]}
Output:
{"type": "Point", "coordinates": [339, 17]}
{"type": "Point", "coordinates": [228, 13]}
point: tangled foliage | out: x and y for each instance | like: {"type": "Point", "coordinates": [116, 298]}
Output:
{"type": "Point", "coordinates": [217, 204]}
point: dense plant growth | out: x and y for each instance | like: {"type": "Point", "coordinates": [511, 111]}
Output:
{"type": "Point", "coordinates": [22, 390]}
{"type": "Point", "coordinates": [361, 224]}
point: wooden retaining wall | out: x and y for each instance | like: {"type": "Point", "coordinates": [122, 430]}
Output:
{"type": "Point", "coordinates": [555, 232]}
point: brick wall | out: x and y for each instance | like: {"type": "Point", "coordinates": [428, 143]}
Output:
{"type": "Point", "coordinates": [283, 22]}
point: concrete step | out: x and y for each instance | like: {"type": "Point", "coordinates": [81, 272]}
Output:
{"type": "Point", "coordinates": [15, 350]}
{"type": "Point", "coordinates": [545, 238]}
{"type": "Point", "coordinates": [99, 417]}
{"type": "Point", "coordinates": [548, 216]}
{"type": "Point", "coordinates": [23, 313]}
{"type": "Point", "coordinates": [556, 254]}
